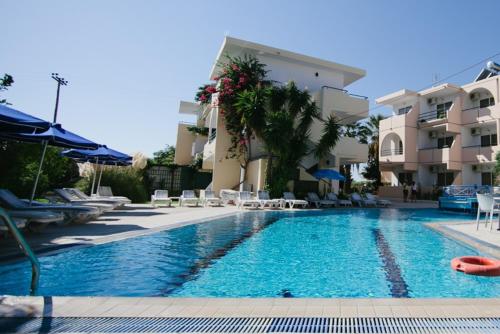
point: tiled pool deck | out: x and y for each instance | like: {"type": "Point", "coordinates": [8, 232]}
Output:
{"type": "Point", "coordinates": [138, 220]}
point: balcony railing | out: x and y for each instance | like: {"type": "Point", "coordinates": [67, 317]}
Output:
{"type": "Point", "coordinates": [391, 151]}
{"type": "Point", "coordinates": [212, 136]}
{"type": "Point", "coordinates": [346, 92]}
{"type": "Point", "coordinates": [432, 115]}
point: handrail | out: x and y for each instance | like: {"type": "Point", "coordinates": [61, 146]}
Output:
{"type": "Point", "coordinates": [391, 151]}
{"type": "Point", "coordinates": [433, 115]}
{"type": "Point", "coordinates": [346, 92]}
{"type": "Point", "coordinates": [35, 265]}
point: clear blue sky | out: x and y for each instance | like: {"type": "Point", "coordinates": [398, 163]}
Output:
{"type": "Point", "coordinates": [130, 62]}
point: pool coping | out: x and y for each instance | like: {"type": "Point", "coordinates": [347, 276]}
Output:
{"type": "Point", "coordinates": [460, 237]}
{"type": "Point", "coordinates": [145, 307]}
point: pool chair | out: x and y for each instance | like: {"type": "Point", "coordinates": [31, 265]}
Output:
{"type": "Point", "coordinates": [245, 200]}
{"type": "Point", "coordinates": [379, 201]}
{"type": "Point", "coordinates": [81, 195]}
{"type": "Point", "coordinates": [72, 214]}
{"type": "Point", "coordinates": [486, 204]}
{"type": "Point", "coordinates": [340, 202]}
{"type": "Point", "coordinates": [266, 201]}
{"type": "Point", "coordinates": [37, 219]}
{"type": "Point", "coordinates": [188, 197]}
{"type": "Point", "coordinates": [292, 201]}
{"type": "Point", "coordinates": [106, 192]}
{"type": "Point", "coordinates": [360, 201]}
{"type": "Point", "coordinates": [313, 198]}
{"type": "Point", "coordinates": [20, 224]}
{"type": "Point", "coordinates": [70, 198]}
{"type": "Point", "coordinates": [208, 198]}
{"type": "Point", "coordinates": [162, 197]}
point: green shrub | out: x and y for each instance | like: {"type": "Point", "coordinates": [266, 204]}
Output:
{"type": "Point", "coordinates": [19, 165]}
{"type": "Point", "coordinates": [126, 182]}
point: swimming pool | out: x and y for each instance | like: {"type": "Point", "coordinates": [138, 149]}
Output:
{"type": "Point", "coordinates": [341, 253]}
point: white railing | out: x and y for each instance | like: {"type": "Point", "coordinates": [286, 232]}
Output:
{"type": "Point", "coordinates": [468, 190]}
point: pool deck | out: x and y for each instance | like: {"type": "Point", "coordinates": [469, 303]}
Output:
{"type": "Point", "coordinates": [143, 219]}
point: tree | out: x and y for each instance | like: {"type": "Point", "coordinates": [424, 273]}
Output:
{"type": "Point", "coordinates": [165, 156]}
{"type": "Point", "coordinates": [369, 134]}
{"type": "Point", "coordinates": [5, 82]}
{"type": "Point", "coordinates": [281, 116]}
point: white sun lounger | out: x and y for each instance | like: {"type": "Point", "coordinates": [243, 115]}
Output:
{"type": "Point", "coordinates": [83, 196]}
{"type": "Point", "coordinates": [313, 198]}
{"type": "Point", "coordinates": [245, 200]}
{"type": "Point", "coordinates": [208, 198]}
{"type": "Point", "coordinates": [189, 198]}
{"type": "Point", "coordinates": [360, 201]}
{"type": "Point", "coordinates": [265, 200]}
{"type": "Point", "coordinates": [162, 197]}
{"type": "Point", "coordinates": [106, 192]}
{"type": "Point", "coordinates": [292, 201]}
{"type": "Point", "coordinates": [379, 201]}
{"type": "Point", "coordinates": [340, 202]}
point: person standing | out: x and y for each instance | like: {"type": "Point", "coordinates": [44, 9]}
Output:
{"type": "Point", "coordinates": [413, 197]}
{"type": "Point", "coordinates": [405, 192]}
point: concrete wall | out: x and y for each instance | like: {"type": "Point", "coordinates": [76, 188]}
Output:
{"type": "Point", "coordinates": [256, 174]}
{"type": "Point", "coordinates": [184, 145]}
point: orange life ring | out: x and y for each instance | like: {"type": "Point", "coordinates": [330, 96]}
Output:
{"type": "Point", "coordinates": [476, 265]}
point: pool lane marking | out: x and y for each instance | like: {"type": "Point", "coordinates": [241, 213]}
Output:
{"type": "Point", "coordinates": [218, 253]}
{"type": "Point", "coordinates": [399, 288]}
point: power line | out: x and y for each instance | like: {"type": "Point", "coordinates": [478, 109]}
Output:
{"type": "Point", "coordinates": [431, 85]}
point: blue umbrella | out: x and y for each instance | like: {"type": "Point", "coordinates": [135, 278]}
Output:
{"type": "Point", "coordinates": [329, 174]}
{"type": "Point", "coordinates": [57, 136]}
{"type": "Point", "coordinates": [103, 155]}
{"type": "Point", "coordinates": [12, 120]}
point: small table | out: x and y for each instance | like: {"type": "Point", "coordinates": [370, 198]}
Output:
{"type": "Point", "coordinates": [175, 199]}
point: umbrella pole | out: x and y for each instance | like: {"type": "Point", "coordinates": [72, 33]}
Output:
{"type": "Point", "coordinates": [93, 180]}
{"type": "Point", "coordinates": [99, 182]}
{"type": "Point", "coordinates": [46, 143]}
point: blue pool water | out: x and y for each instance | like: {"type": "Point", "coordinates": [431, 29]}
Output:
{"type": "Point", "coordinates": [344, 253]}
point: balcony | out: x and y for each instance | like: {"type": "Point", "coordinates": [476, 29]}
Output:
{"type": "Point", "coordinates": [476, 115]}
{"type": "Point", "coordinates": [390, 152]}
{"type": "Point", "coordinates": [342, 104]}
{"type": "Point", "coordinates": [479, 154]}
{"type": "Point", "coordinates": [451, 156]}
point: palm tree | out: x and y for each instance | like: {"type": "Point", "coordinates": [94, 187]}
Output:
{"type": "Point", "coordinates": [369, 134]}
{"type": "Point", "coordinates": [281, 116]}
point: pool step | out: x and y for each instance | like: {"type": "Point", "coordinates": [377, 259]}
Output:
{"type": "Point", "coordinates": [248, 325]}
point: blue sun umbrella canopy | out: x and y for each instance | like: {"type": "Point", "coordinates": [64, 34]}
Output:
{"type": "Point", "coordinates": [101, 155]}
{"type": "Point", "coordinates": [329, 174]}
{"type": "Point", "coordinates": [55, 135]}
{"type": "Point", "coordinates": [12, 120]}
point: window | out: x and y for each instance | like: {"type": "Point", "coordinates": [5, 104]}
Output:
{"type": "Point", "coordinates": [487, 179]}
{"type": "Point", "coordinates": [400, 146]}
{"type": "Point", "coordinates": [489, 140]}
{"type": "Point", "coordinates": [404, 110]}
{"type": "Point", "coordinates": [484, 103]}
{"type": "Point", "coordinates": [445, 142]}
{"type": "Point", "coordinates": [445, 179]}
{"type": "Point", "coordinates": [405, 177]}
{"type": "Point", "coordinates": [442, 109]}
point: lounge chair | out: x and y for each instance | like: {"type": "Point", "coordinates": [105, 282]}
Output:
{"type": "Point", "coordinates": [81, 195]}
{"type": "Point", "coordinates": [313, 198]}
{"type": "Point", "coordinates": [245, 200]}
{"type": "Point", "coordinates": [20, 224]}
{"type": "Point", "coordinates": [265, 200]}
{"type": "Point", "coordinates": [106, 192]}
{"type": "Point", "coordinates": [161, 196]}
{"type": "Point", "coordinates": [208, 197]}
{"type": "Point", "coordinates": [360, 201]}
{"type": "Point", "coordinates": [37, 217]}
{"type": "Point", "coordinates": [72, 214]}
{"type": "Point", "coordinates": [228, 196]}
{"type": "Point", "coordinates": [379, 201]}
{"type": "Point", "coordinates": [292, 201]}
{"type": "Point", "coordinates": [340, 202]}
{"type": "Point", "coordinates": [68, 197]}
{"type": "Point", "coordinates": [188, 197]}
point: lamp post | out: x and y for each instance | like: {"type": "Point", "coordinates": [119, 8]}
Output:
{"type": "Point", "coordinates": [60, 81]}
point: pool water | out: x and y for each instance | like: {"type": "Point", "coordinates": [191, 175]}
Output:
{"type": "Point", "coordinates": [342, 253]}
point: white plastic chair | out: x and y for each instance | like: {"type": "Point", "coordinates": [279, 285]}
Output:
{"type": "Point", "coordinates": [265, 200]}
{"type": "Point", "coordinates": [245, 199]}
{"type": "Point", "coordinates": [486, 204]}
{"type": "Point", "coordinates": [292, 201]}
{"type": "Point", "coordinates": [188, 197]}
{"type": "Point", "coordinates": [208, 197]}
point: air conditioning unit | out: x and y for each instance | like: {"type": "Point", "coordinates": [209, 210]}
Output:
{"type": "Point", "coordinates": [432, 100]}
{"type": "Point", "coordinates": [432, 169]}
{"type": "Point", "coordinates": [475, 131]}
{"type": "Point", "coordinates": [432, 134]}
{"type": "Point", "coordinates": [476, 168]}
{"type": "Point", "coordinates": [474, 96]}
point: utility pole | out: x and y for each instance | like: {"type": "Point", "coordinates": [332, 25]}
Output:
{"type": "Point", "coordinates": [60, 81]}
